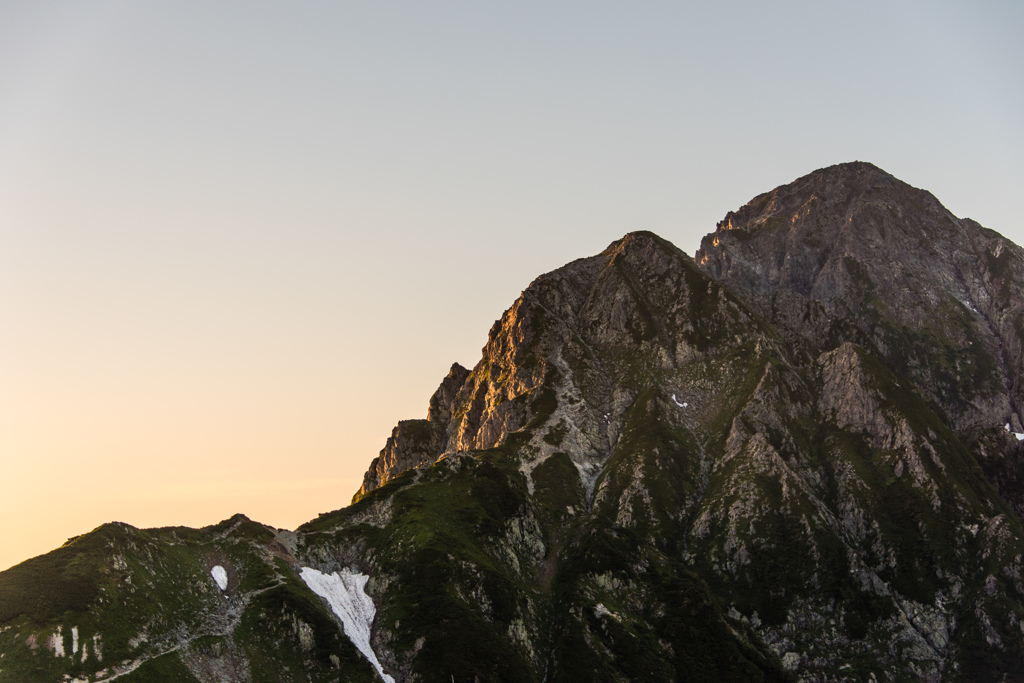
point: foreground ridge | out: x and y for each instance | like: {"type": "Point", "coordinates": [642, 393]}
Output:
{"type": "Point", "coordinates": [795, 456]}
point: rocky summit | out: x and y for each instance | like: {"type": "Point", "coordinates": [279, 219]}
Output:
{"type": "Point", "coordinates": [796, 456]}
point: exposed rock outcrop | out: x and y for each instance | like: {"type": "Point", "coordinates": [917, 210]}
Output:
{"type": "Point", "coordinates": [412, 443]}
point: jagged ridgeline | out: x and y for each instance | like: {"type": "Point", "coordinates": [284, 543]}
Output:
{"type": "Point", "coordinates": [797, 456]}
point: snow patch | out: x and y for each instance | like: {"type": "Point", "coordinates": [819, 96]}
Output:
{"type": "Point", "coordinates": [684, 404]}
{"type": "Point", "coordinates": [74, 640]}
{"type": "Point", "coordinates": [220, 576]}
{"type": "Point", "coordinates": [346, 594]}
{"type": "Point", "coordinates": [1020, 437]}
{"type": "Point", "coordinates": [57, 643]}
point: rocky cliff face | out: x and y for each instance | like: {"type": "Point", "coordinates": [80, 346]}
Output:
{"type": "Point", "coordinates": [574, 351]}
{"type": "Point", "coordinates": [793, 458]}
{"type": "Point", "coordinates": [939, 298]}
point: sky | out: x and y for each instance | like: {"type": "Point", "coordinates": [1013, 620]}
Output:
{"type": "Point", "coordinates": [240, 240]}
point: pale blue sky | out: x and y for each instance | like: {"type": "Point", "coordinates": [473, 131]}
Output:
{"type": "Point", "coordinates": [240, 240]}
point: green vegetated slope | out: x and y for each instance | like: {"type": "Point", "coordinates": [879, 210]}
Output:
{"type": "Point", "coordinates": [735, 469]}
{"type": "Point", "coordinates": [127, 604]}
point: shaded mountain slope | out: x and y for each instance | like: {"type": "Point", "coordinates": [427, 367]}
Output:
{"type": "Point", "coordinates": [939, 298]}
{"type": "Point", "coordinates": [792, 458]}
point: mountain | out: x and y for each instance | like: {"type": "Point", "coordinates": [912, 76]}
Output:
{"type": "Point", "coordinates": [797, 456]}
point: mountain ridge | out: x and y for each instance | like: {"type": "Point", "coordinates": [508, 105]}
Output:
{"type": "Point", "coordinates": [789, 457]}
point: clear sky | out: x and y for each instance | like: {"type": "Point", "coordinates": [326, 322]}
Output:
{"type": "Point", "coordinates": [240, 240]}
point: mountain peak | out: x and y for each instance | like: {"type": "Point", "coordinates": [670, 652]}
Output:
{"type": "Point", "coordinates": [839, 189]}
{"type": "Point", "coordinates": [639, 241]}
{"type": "Point", "coordinates": [848, 168]}
{"type": "Point", "coordinates": [794, 229]}
{"type": "Point", "coordinates": [864, 247]}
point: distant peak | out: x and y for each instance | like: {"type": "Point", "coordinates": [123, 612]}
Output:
{"type": "Point", "coordinates": [850, 171]}
{"type": "Point", "coordinates": [639, 239]}
{"type": "Point", "coordinates": [637, 236]}
{"type": "Point", "coordinates": [853, 167]}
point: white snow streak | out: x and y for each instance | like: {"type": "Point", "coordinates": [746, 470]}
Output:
{"type": "Point", "coordinates": [684, 404]}
{"type": "Point", "coordinates": [74, 640]}
{"type": "Point", "coordinates": [57, 643]}
{"type": "Point", "coordinates": [346, 593]}
{"type": "Point", "coordinates": [220, 576]}
{"type": "Point", "coordinates": [1020, 437]}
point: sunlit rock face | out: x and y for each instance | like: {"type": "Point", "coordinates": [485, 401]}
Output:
{"type": "Point", "coordinates": [581, 341]}
{"type": "Point", "coordinates": [793, 457]}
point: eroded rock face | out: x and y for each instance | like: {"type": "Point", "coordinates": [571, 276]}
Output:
{"type": "Point", "coordinates": [575, 343]}
{"type": "Point", "coordinates": [440, 408]}
{"type": "Point", "coordinates": [847, 397]}
{"type": "Point", "coordinates": [416, 442]}
{"type": "Point", "coordinates": [412, 443]}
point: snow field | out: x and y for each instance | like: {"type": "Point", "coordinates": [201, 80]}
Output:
{"type": "Point", "coordinates": [220, 576]}
{"type": "Point", "coordinates": [346, 594]}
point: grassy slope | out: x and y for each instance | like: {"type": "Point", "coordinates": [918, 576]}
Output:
{"type": "Point", "coordinates": [145, 599]}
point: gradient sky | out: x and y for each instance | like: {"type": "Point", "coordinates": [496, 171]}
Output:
{"type": "Point", "coordinates": [240, 240]}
